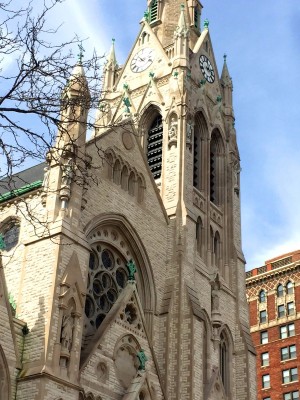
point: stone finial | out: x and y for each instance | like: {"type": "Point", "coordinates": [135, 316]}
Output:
{"type": "Point", "coordinates": [182, 28]}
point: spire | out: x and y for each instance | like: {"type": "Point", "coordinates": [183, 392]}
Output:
{"type": "Point", "coordinates": [111, 58]}
{"type": "Point", "coordinates": [77, 83]}
{"type": "Point", "coordinates": [181, 38]}
{"type": "Point", "coordinates": [181, 27]}
{"type": "Point", "coordinates": [110, 69]}
{"type": "Point", "coordinates": [227, 88]}
{"type": "Point", "coordinates": [225, 77]}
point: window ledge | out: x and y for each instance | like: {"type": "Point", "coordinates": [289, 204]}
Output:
{"type": "Point", "coordinates": [289, 383]}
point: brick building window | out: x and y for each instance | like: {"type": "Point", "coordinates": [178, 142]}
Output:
{"type": "Point", "coordinates": [290, 308]}
{"type": "Point", "coordinates": [289, 288]}
{"type": "Point", "coordinates": [264, 359]}
{"type": "Point", "coordinates": [262, 296]}
{"type": "Point", "coordinates": [288, 352]}
{"type": "Point", "coordinates": [290, 375]}
{"type": "Point", "coordinates": [291, 395]}
{"type": "Point", "coordinates": [263, 316]}
{"type": "Point", "coordinates": [266, 381]}
{"type": "Point", "coordinates": [281, 311]}
{"type": "Point", "coordinates": [264, 337]}
{"type": "Point", "coordinates": [280, 290]}
{"type": "Point", "coordinates": [287, 331]}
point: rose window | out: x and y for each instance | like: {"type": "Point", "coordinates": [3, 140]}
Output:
{"type": "Point", "coordinates": [106, 279]}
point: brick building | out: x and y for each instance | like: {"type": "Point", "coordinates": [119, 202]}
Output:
{"type": "Point", "coordinates": [123, 261]}
{"type": "Point", "coordinates": [273, 293]}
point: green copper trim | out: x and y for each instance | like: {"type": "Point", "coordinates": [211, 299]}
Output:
{"type": "Point", "coordinates": [206, 23]}
{"type": "Point", "coordinates": [219, 99]}
{"type": "Point", "coordinates": [2, 244]}
{"type": "Point", "coordinates": [131, 268]}
{"type": "Point", "coordinates": [142, 359]}
{"type": "Point", "coordinates": [19, 192]}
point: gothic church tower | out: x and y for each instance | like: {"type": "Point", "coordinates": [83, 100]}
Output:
{"type": "Point", "coordinates": [141, 292]}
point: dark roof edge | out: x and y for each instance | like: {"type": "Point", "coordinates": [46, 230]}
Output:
{"type": "Point", "coordinates": [22, 190]}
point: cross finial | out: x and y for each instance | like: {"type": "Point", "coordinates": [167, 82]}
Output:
{"type": "Point", "coordinates": [80, 54]}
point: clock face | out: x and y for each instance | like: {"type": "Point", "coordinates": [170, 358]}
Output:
{"type": "Point", "coordinates": [142, 60]}
{"type": "Point", "coordinates": [207, 69]}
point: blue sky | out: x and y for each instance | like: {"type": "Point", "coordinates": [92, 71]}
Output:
{"type": "Point", "coordinates": [262, 41]}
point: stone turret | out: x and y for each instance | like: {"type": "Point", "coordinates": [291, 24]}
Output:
{"type": "Point", "coordinates": [181, 38]}
{"type": "Point", "coordinates": [67, 159]}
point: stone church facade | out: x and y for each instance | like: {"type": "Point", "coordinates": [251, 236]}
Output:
{"type": "Point", "coordinates": [122, 272]}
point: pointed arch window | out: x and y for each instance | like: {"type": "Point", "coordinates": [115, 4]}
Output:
{"type": "Point", "coordinates": [216, 168]}
{"type": "Point", "coordinates": [224, 361]}
{"type": "Point", "coordinates": [262, 296]}
{"type": "Point", "coordinates": [107, 278]}
{"type": "Point", "coordinates": [153, 11]}
{"type": "Point", "coordinates": [10, 231]}
{"type": "Point", "coordinates": [124, 178]}
{"type": "Point", "coordinates": [199, 236]}
{"type": "Point", "coordinates": [117, 172]}
{"type": "Point", "coordinates": [154, 147]}
{"type": "Point", "coordinates": [217, 249]}
{"type": "Point", "coordinates": [200, 133]}
{"type": "Point", "coordinates": [131, 184]}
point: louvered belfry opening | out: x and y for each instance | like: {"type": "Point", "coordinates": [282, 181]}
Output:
{"type": "Point", "coordinates": [216, 168]}
{"type": "Point", "coordinates": [199, 148]}
{"type": "Point", "coordinates": [153, 11]}
{"type": "Point", "coordinates": [154, 147]}
{"type": "Point", "coordinates": [196, 177]}
{"type": "Point", "coordinates": [212, 177]}
{"type": "Point", "coordinates": [197, 18]}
